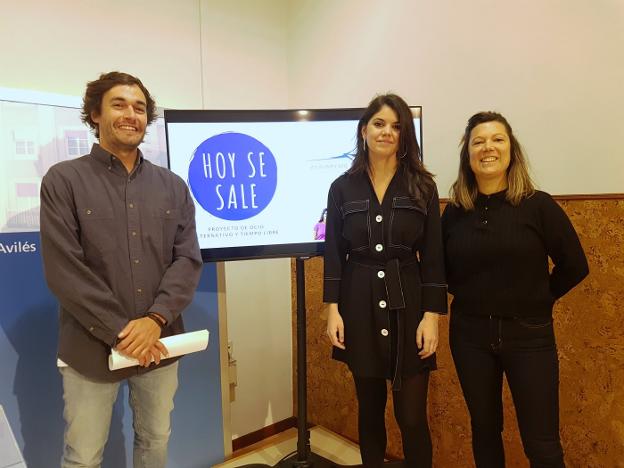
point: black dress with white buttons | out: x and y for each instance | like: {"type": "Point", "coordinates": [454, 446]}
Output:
{"type": "Point", "coordinates": [384, 266]}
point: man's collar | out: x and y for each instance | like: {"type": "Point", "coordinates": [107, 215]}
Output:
{"type": "Point", "coordinates": [106, 158]}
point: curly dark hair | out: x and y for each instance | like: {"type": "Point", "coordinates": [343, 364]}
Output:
{"type": "Point", "coordinates": [96, 89]}
{"type": "Point", "coordinates": [417, 178]}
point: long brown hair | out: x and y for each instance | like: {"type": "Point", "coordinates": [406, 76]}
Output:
{"type": "Point", "coordinates": [96, 89]}
{"type": "Point", "coordinates": [464, 190]}
{"type": "Point", "coordinates": [418, 180]}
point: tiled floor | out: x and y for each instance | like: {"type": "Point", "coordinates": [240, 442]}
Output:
{"type": "Point", "coordinates": [323, 442]}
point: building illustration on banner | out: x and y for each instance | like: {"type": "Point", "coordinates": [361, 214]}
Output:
{"type": "Point", "coordinates": [33, 137]}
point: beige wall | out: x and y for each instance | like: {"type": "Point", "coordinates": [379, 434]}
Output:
{"type": "Point", "coordinates": [58, 46]}
{"type": "Point", "coordinates": [259, 326]}
{"type": "Point", "coordinates": [555, 68]}
{"type": "Point", "coordinates": [245, 54]}
{"type": "Point", "coordinates": [244, 59]}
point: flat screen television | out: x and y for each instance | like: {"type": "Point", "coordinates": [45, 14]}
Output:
{"type": "Point", "coordinates": [259, 178]}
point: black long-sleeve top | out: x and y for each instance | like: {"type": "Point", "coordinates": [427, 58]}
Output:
{"type": "Point", "coordinates": [115, 246]}
{"type": "Point", "coordinates": [497, 256]}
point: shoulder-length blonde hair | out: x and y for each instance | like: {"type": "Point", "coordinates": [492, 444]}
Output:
{"type": "Point", "coordinates": [464, 190]}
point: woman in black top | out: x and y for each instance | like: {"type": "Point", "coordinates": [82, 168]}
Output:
{"type": "Point", "coordinates": [384, 278]}
{"type": "Point", "coordinates": [499, 233]}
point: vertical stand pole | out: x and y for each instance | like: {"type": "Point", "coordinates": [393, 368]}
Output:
{"type": "Point", "coordinates": [303, 442]}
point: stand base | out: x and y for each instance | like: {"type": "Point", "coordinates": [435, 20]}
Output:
{"type": "Point", "coordinates": [316, 461]}
{"type": "Point", "coordinates": [313, 460]}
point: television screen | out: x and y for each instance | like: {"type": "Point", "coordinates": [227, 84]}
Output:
{"type": "Point", "coordinates": [259, 178]}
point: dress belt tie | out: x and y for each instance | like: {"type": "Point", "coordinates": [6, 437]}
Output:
{"type": "Point", "coordinates": [396, 302]}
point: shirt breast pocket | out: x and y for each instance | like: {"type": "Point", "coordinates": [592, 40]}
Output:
{"type": "Point", "coordinates": [356, 224]}
{"type": "Point", "coordinates": [165, 230]}
{"type": "Point", "coordinates": [97, 235]}
{"type": "Point", "coordinates": [407, 222]}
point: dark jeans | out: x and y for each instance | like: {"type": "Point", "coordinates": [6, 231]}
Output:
{"type": "Point", "coordinates": [524, 349]}
{"type": "Point", "coordinates": [410, 411]}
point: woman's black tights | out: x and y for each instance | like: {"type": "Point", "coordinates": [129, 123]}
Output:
{"type": "Point", "coordinates": [410, 411]}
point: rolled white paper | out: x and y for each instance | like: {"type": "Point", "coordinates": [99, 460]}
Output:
{"type": "Point", "coordinates": [177, 345]}
{"type": "Point", "coordinates": [195, 341]}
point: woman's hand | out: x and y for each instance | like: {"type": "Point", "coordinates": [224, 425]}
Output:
{"type": "Point", "coordinates": [427, 335]}
{"type": "Point", "coordinates": [335, 326]}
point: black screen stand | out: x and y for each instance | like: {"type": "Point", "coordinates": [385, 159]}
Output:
{"type": "Point", "coordinates": [304, 457]}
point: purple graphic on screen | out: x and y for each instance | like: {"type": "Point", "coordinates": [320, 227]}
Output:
{"type": "Point", "coordinates": [233, 176]}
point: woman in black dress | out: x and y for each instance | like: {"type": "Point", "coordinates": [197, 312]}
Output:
{"type": "Point", "coordinates": [499, 233]}
{"type": "Point", "coordinates": [384, 278]}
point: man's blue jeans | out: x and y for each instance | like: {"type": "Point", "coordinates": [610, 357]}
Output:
{"type": "Point", "coordinates": [88, 412]}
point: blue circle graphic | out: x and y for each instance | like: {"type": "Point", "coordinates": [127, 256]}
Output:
{"type": "Point", "coordinates": [233, 176]}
